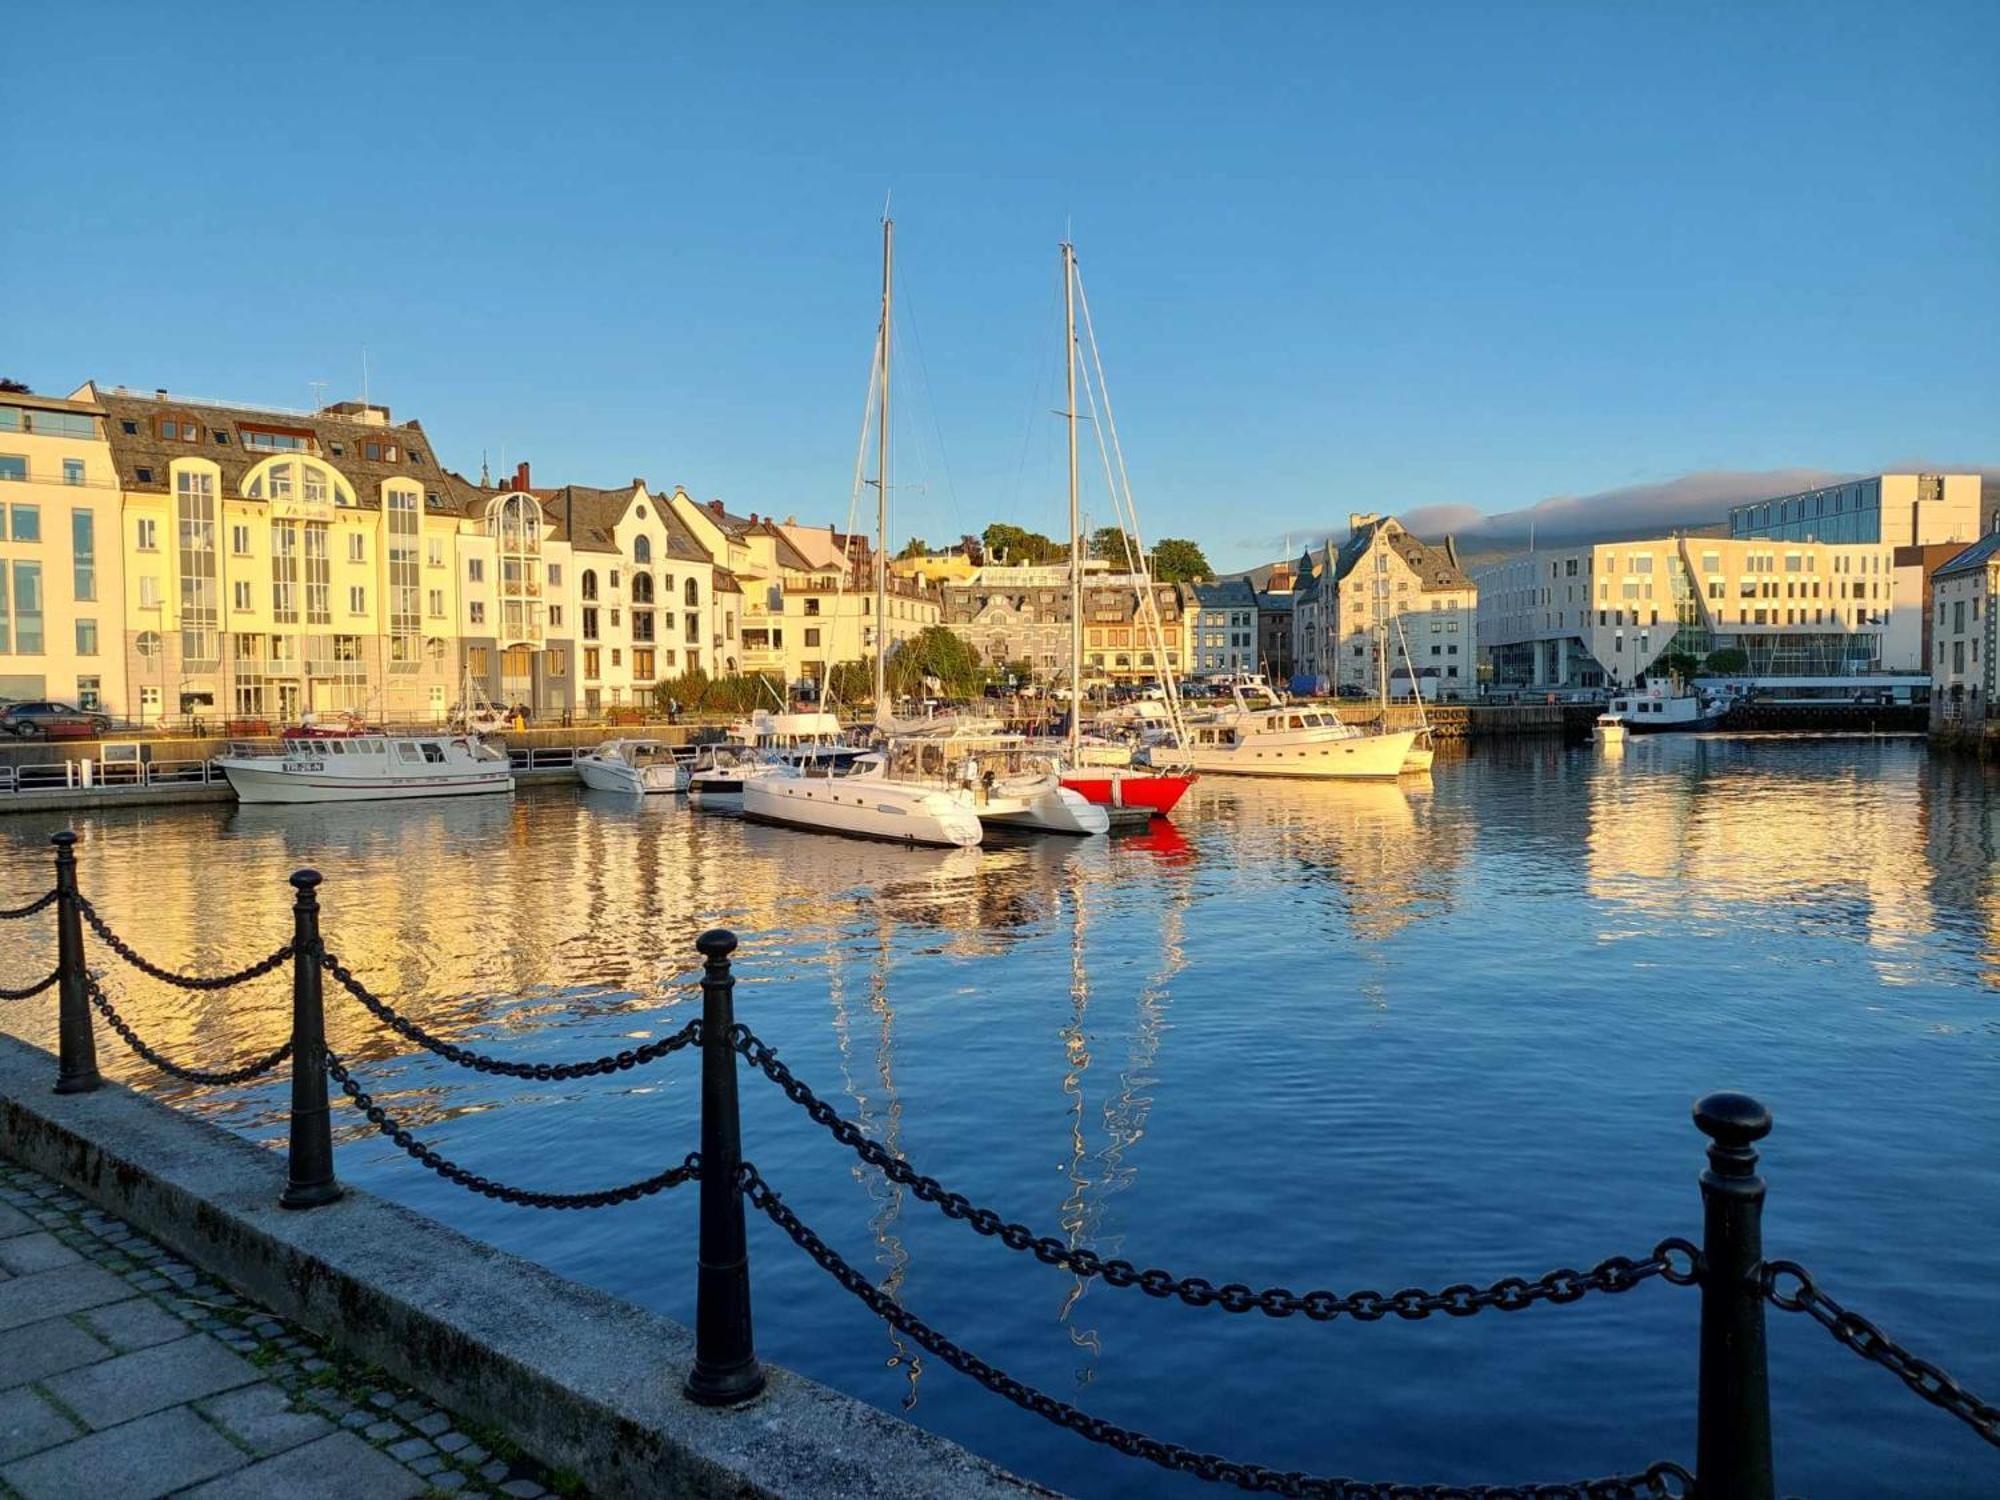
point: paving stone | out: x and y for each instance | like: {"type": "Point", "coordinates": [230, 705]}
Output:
{"type": "Point", "coordinates": [49, 1294]}
{"type": "Point", "coordinates": [137, 1324]}
{"type": "Point", "coordinates": [523, 1489]}
{"type": "Point", "coordinates": [43, 1349]}
{"type": "Point", "coordinates": [355, 1420]}
{"type": "Point", "coordinates": [450, 1481]}
{"type": "Point", "coordinates": [146, 1381]}
{"type": "Point", "coordinates": [314, 1365]}
{"type": "Point", "coordinates": [451, 1442]}
{"type": "Point", "coordinates": [337, 1467]}
{"type": "Point", "coordinates": [377, 1432]}
{"type": "Point", "coordinates": [383, 1399]}
{"type": "Point", "coordinates": [13, 1221]}
{"type": "Point", "coordinates": [410, 1408]}
{"type": "Point", "coordinates": [26, 1254]}
{"type": "Point", "coordinates": [260, 1417]}
{"type": "Point", "coordinates": [153, 1456]}
{"type": "Point", "coordinates": [29, 1424]}
{"type": "Point", "coordinates": [425, 1464]}
{"type": "Point", "coordinates": [494, 1472]}
{"type": "Point", "coordinates": [435, 1423]}
{"type": "Point", "coordinates": [408, 1449]}
{"type": "Point", "coordinates": [268, 1328]}
{"type": "Point", "coordinates": [473, 1455]}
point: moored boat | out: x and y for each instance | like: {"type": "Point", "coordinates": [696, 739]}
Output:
{"type": "Point", "coordinates": [636, 766]}
{"type": "Point", "coordinates": [859, 800]}
{"type": "Point", "coordinates": [1293, 740]}
{"type": "Point", "coordinates": [1658, 710]}
{"type": "Point", "coordinates": [367, 768]}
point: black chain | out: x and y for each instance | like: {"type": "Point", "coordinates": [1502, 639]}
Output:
{"type": "Point", "coordinates": [619, 1062]}
{"type": "Point", "coordinates": [124, 950]}
{"type": "Point", "coordinates": [1871, 1343]}
{"type": "Point", "coordinates": [1661, 1479]}
{"type": "Point", "coordinates": [31, 908]}
{"type": "Point", "coordinates": [191, 1075]}
{"type": "Point", "coordinates": [688, 1170]}
{"type": "Point", "coordinates": [32, 990]}
{"type": "Point", "coordinates": [1618, 1274]}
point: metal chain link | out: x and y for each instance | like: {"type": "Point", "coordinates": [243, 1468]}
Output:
{"type": "Point", "coordinates": [124, 950]}
{"type": "Point", "coordinates": [403, 1026]}
{"type": "Point", "coordinates": [1619, 1273]}
{"type": "Point", "coordinates": [1661, 1479]}
{"type": "Point", "coordinates": [1871, 1343]}
{"type": "Point", "coordinates": [688, 1170]}
{"type": "Point", "coordinates": [32, 990]}
{"type": "Point", "coordinates": [244, 1074]}
{"type": "Point", "coordinates": [31, 908]}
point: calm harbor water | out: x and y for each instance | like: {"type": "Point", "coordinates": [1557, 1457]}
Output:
{"type": "Point", "coordinates": [1335, 1036]}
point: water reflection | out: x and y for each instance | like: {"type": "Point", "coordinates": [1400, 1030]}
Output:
{"type": "Point", "coordinates": [1305, 1034]}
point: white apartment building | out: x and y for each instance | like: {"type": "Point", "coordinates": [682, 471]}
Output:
{"type": "Point", "coordinates": [1962, 636]}
{"type": "Point", "coordinates": [1383, 598]}
{"type": "Point", "coordinates": [1601, 615]}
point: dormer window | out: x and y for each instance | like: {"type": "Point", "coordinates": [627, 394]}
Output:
{"type": "Point", "coordinates": [274, 440]}
{"type": "Point", "coordinates": [176, 430]}
{"type": "Point", "coordinates": [378, 452]}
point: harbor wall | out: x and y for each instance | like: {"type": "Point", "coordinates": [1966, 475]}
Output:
{"type": "Point", "coordinates": [584, 1382]}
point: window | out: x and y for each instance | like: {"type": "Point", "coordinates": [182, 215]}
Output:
{"type": "Point", "coordinates": [589, 583]}
{"type": "Point", "coordinates": [435, 601]}
{"type": "Point", "coordinates": [83, 554]}
{"type": "Point", "coordinates": [642, 588]}
{"type": "Point", "coordinates": [812, 606]}
{"type": "Point", "coordinates": [13, 468]}
{"type": "Point", "coordinates": [589, 622]}
{"type": "Point", "coordinates": [555, 616]}
{"type": "Point", "coordinates": [434, 552]}
{"type": "Point", "coordinates": [72, 471]}
{"type": "Point", "coordinates": [693, 593]}
{"type": "Point", "coordinates": [86, 637]}
{"type": "Point", "coordinates": [555, 575]}
{"type": "Point", "coordinates": [239, 541]}
{"type": "Point", "coordinates": [555, 662]}
{"type": "Point", "coordinates": [694, 631]}
{"type": "Point", "coordinates": [357, 547]}
{"type": "Point", "coordinates": [357, 600]}
{"type": "Point", "coordinates": [642, 550]}
{"type": "Point", "coordinates": [590, 663]}
{"type": "Point", "coordinates": [90, 693]}
{"type": "Point", "coordinates": [24, 523]}
{"type": "Point", "coordinates": [241, 599]}
{"type": "Point", "coordinates": [476, 612]}
{"type": "Point", "coordinates": [642, 664]}
{"type": "Point", "coordinates": [149, 593]}
{"type": "Point", "coordinates": [475, 569]}
{"type": "Point", "coordinates": [194, 504]}
{"type": "Point", "coordinates": [143, 475]}
{"type": "Point", "coordinates": [147, 534]}
{"type": "Point", "coordinates": [26, 627]}
{"type": "Point", "coordinates": [812, 638]}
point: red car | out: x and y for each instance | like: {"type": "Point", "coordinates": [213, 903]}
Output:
{"type": "Point", "coordinates": [51, 721]}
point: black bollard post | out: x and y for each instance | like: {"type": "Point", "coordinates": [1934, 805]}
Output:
{"type": "Point", "coordinates": [309, 1179]}
{"type": "Point", "coordinates": [1733, 1441]}
{"type": "Point", "coordinates": [725, 1360]}
{"type": "Point", "coordinates": [76, 1044]}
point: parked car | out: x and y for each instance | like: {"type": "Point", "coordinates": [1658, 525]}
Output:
{"type": "Point", "coordinates": [51, 721]}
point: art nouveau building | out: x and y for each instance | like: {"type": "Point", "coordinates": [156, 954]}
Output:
{"type": "Point", "coordinates": [61, 571]}
{"type": "Point", "coordinates": [281, 563]}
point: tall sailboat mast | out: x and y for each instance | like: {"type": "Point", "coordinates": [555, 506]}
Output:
{"type": "Point", "coordinates": [883, 716]}
{"type": "Point", "coordinates": [1075, 515]}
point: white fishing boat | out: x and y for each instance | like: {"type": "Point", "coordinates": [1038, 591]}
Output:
{"type": "Point", "coordinates": [1273, 738]}
{"type": "Point", "coordinates": [367, 768]}
{"type": "Point", "coordinates": [634, 766]}
{"type": "Point", "coordinates": [859, 800]}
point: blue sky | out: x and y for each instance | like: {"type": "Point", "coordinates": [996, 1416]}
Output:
{"type": "Point", "coordinates": [1342, 257]}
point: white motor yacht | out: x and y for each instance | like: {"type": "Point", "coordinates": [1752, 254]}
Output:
{"type": "Point", "coordinates": [636, 766]}
{"type": "Point", "coordinates": [857, 798]}
{"type": "Point", "coordinates": [1290, 739]}
{"type": "Point", "coordinates": [367, 768]}
{"type": "Point", "coordinates": [1002, 778]}
{"type": "Point", "coordinates": [717, 773]}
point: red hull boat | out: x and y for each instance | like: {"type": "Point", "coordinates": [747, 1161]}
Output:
{"type": "Point", "coordinates": [1118, 786]}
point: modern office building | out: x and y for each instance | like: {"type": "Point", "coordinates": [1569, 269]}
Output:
{"type": "Point", "coordinates": [1600, 616]}
{"type": "Point", "coordinates": [61, 570]}
{"type": "Point", "coordinates": [1896, 510]}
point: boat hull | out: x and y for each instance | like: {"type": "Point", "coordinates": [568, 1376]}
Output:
{"type": "Point", "coordinates": [861, 807]}
{"type": "Point", "coordinates": [1055, 810]}
{"type": "Point", "coordinates": [268, 783]}
{"type": "Point", "coordinates": [1360, 757]}
{"type": "Point", "coordinates": [1702, 725]}
{"type": "Point", "coordinates": [614, 776]}
{"type": "Point", "coordinates": [1159, 792]}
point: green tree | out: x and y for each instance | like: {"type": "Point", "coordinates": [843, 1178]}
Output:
{"type": "Point", "coordinates": [1021, 546]}
{"type": "Point", "coordinates": [916, 546]}
{"type": "Point", "coordinates": [1111, 544]}
{"type": "Point", "coordinates": [1176, 560]}
{"type": "Point", "coordinates": [936, 652]}
{"type": "Point", "coordinates": [1728, 662]}
{"type": "Point", "coordinates": [1679, 664]}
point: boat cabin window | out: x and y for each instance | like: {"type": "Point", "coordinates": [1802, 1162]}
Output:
{"type": "Point", "coordinates": [433, 752]}
{"type": "Point", "coordinates": [406, 750]}
{"type": "Point", "coordinates": [1298, 722]}
{"type": "Point", "coordinates": [371, 747]}
{"type": "Point", "coordinates": [334, 747]}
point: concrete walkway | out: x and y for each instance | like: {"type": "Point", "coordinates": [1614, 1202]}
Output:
{"type": "Point", "coordinates": [125, 1372]}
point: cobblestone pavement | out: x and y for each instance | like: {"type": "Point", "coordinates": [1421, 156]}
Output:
{"type": "Point", "coordinates": [126, 1372]}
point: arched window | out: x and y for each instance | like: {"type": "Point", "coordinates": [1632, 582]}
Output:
{"type": "Point", "coordinates": [642, 588]}
{"type": "Point", "coordinates": [642, 550]}
{"type": "Point", "coordinates": [590, 583]}
{"type": "Point", "coordinates": [693, 593]}
{"type": "Point", "coordinates": [300, 479]}
{"type": "Point", "coordinates": [148, 644]}
{"type": "Point", "coordinates": [434, 649]}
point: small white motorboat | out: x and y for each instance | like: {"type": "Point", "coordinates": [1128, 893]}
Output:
{"type": "Point", "coordinates": [637, 766]}
{"type": "Point", "coordinates": [1609, 729]}
{"type": "Point", "coordinates": [855, 797]}
{"type": "Point", "coordinates": [367, 768]}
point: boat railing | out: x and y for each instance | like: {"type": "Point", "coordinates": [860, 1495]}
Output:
{"type": "Point", "coordinates": [551, 758]}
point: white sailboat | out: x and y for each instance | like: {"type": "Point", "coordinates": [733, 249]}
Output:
{"type": "Point", "coordinates": [859, 798]}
